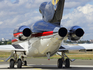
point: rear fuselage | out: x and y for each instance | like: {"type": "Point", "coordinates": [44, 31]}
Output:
{"type": "Point", "coordinates": [44, 39]}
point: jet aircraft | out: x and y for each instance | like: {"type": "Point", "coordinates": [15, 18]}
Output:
{"type": "Point", "coordinates": [43, 38]}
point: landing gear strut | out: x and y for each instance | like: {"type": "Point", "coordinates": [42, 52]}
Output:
{"type": "Point", "coordinates": [24, 61]}
{"type": "Point", "coordinates": [14, 60]}
{"type": "Point", "coordinates": [19, 61]}
{"type": "Point", "coordinates": [64, 61]}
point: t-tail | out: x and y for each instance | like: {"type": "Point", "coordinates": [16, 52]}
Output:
{"type": "Point", "coordinates": [52, 11]}
{"type": "Point", "coordinates": [59, 7]}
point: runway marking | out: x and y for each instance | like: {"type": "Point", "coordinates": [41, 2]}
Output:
{"type": "Point", "coordinates": [1, 60]}
{"type": "Point", "coordinates": [82, 66]}
{"type": "Point", "coordinates": [33, 68]}
{"type": "Point", "coordinates": [37, 69]}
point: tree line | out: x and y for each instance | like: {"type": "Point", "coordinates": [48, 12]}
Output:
{"type": "Point", "coordinates": [78, 42]}
{"type": "Point", "coordinates": [5, 42]}
{"type": "Point", "coordinates": [69, 42]}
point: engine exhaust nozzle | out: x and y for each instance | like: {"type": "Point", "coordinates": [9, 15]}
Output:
{"type": "Point", "coordinates": [62, 32]}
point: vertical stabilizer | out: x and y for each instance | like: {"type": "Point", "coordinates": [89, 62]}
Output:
{"type": "Point", "coordinates": [52, 11]}
{"type": "Point", "coordinates": [58, 6]}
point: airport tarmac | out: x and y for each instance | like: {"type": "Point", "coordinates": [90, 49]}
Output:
{"type": "Point", "coordinates": [40, 64]}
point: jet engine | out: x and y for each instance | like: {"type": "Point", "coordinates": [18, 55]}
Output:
{"type": "Point", "coordinates": [75, 33]}
{"type": "Point", "coordinates": [62, 32]}
{"type": "Point", "coordinates": [22, 33]}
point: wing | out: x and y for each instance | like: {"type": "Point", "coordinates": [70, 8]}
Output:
{"type": "Point", "coordinates": [76, 47]}
{"type": "Point", "coordinates": [9, 48]}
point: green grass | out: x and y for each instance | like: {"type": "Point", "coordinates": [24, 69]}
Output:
{"type": "Point", "coordinates": [71, 54]}
{"type": "Point", "coordinates": [4, 54]}
{"type": "Point", "coordinates": [77, 55]}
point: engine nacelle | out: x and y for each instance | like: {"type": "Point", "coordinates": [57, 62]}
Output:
{"type": "Point", "coordinates": [75, 33]}
{"type": "Point", "coordinates": [22, 33]}
{"type": "Point", "coordinates": [62, 32]}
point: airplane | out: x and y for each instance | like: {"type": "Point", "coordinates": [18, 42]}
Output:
{"type": "Point", "coordinates": [43, 38]}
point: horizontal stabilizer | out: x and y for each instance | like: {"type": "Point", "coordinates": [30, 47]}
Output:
{"type": "Point", "coordinates": [76, 47]}
{"type": "Point", "coordinates": [9, 48]}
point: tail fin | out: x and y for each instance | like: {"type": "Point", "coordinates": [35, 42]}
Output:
{"type": "Point", "coordinates": [59, 6]}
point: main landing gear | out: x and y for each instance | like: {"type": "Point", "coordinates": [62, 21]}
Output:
{"type": "Point", "coordinates": [62, 61]}
{"type": "Point", "coordinates": [19, 62]}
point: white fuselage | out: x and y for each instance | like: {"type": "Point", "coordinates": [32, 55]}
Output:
{"type": "Point", "coordinates": [42, 45]}
{"type": "Point", "coordinates": [44, 39]}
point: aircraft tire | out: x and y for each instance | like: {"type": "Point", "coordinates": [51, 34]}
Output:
{"type": "Point", "coordinates": [19, 64]}
{"type": "Point", "coordinates": [25, 63]}
{"type": "Point", "coordinates": [60, 63]}
{"type": "Point", "coordinates": [67, 63]}
{"type": "Point", "coordinates": [12, 62]}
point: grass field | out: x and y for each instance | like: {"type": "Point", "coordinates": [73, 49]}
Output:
{"type": "Point", "coordinates": [78, 55]}
{"type": "Point", "coordinates": [71, 54]}
{"type": "Point", "coordinates": [4, 54]}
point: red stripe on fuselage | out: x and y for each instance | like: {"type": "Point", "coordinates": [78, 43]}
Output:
{"type": "Point", "coordinates": [43, 34]}
{"type": "Point", "coordinates": [16, 34]}
{"type": "Point", "coordinates": [15, 40]}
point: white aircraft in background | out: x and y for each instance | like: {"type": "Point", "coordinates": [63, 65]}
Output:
{"type": "Point", "coordinates": [44, 37]}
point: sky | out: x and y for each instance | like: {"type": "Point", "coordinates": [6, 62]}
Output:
{"type": "Point", "coordinates": [14, 13]}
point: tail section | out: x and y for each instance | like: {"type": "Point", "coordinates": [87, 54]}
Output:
{"type": "Point", "coordinates": [55, 2]}
{"type": "Point", "coordinates": [58, 6]}
{"type": "Point", "coordinates": [52, 12]}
